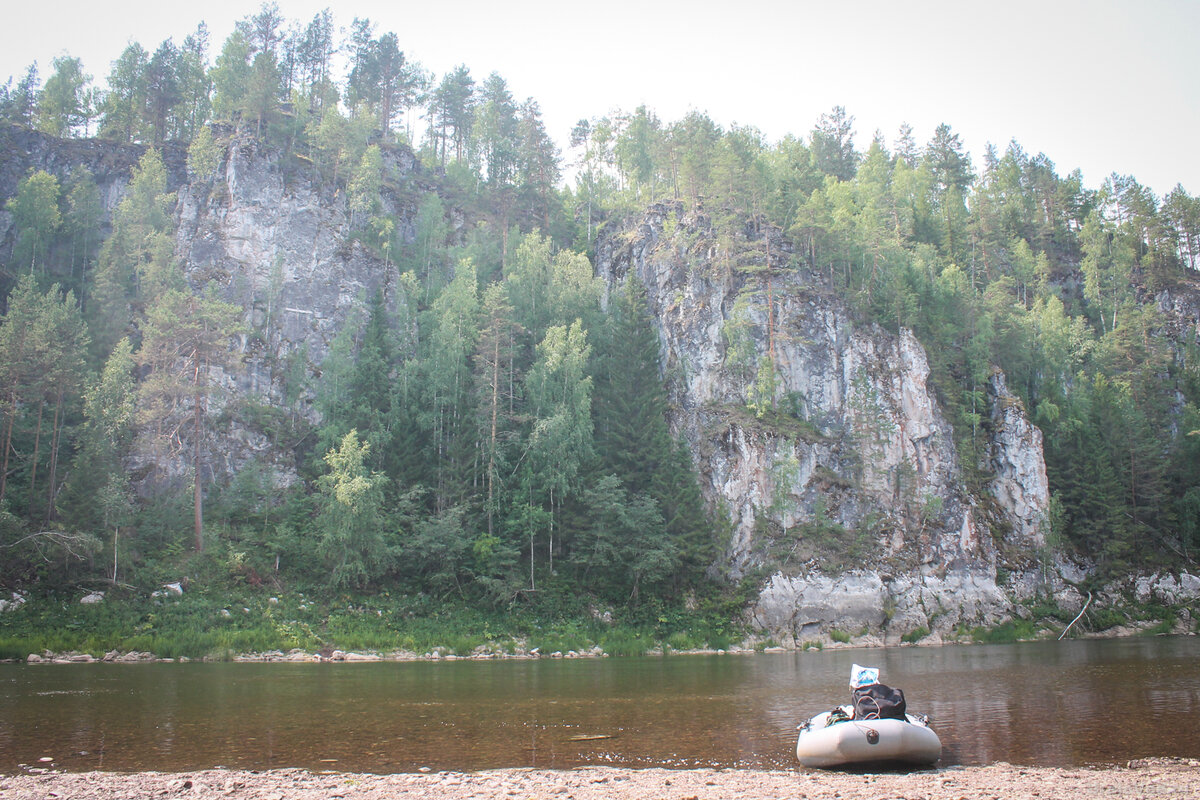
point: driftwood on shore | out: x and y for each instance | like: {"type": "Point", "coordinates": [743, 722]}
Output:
{"type": "Point", "coordinates": [1078, 617]}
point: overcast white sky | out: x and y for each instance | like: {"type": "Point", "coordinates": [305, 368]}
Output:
{"type": "Point", "coordinates": [1100, 85]}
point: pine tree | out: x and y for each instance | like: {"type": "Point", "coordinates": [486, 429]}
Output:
{"type": "Point", "coordinates": [624, 547]}
{"type": "Point", "coordinates": [231, 77]}
{"type": "Point", "coordinates": [18, 103]}
{"type": "Point", "coordinates": [163, 94]}
{"type": "Point", "coordinates": [123, 112]}
{"type": "Point", "coordinates": [951, 170]}
{"type": "Point", "coordinates": [136, 262]}
{"type": "Point", "coordinates": [185, 337]}
{"type": "Point", "coordinates": [833, 144]}
{"type": "Point", "coordinates": [452, 112]}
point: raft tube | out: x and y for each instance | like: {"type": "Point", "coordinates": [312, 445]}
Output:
{"type": "Point", "coordinates": [867, 741]}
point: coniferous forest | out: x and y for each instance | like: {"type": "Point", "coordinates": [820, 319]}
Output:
{"type": "Point", "coordinates": [492, 454]}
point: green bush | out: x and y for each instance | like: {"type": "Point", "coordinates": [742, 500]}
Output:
{"type": "Point", "coordinates": [559, 639]}
{"type": "Point", "coordinates": [624, 642]}
{"type": "Point", "coordinates": [222, 615]}
{"type": "Point", "coordinates": [1011, 631]}
{"type": "Point", "coordinates": [1101, 619]}
{"type": "Point", "coordinates": [720, 640]}
{"type": "Point", "coordinates": [464, 645]}
{"type": "Point", "coordinates": [840, 637]}
{"type": "Point", "coordinates": [679, 640]}
{"type": "Point", "coordinates": [17, 648]}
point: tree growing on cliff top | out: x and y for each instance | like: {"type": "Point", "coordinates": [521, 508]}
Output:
{"type": "Point", "coordinates": [65, 103]}
{"type": "Point", "coordinates": [833, 144]}
{"type": "Point", "coordinates": [17, 103]}
{"type": "Point", "coordinates": [452, 113]}
{"type": "Point", "coordinates": [124, 105]}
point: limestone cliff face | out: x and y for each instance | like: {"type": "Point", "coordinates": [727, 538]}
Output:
{"type": "Point", "coordinates": [1019, 484]}
{"type": "Point", "coordinates": [817, 433]}
{"type": "Point", "coordinates": [271, 240]}
{"type": "Point", "coordinates": [278, 244]}
{"type": "Point", "coordinates": [280, 249]}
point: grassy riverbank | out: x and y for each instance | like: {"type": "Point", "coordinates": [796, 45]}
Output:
{"type": "Point", "coordinates": [198, 625]}
{"type": "Point", "coordinates": [227, 621]}
{"type": "Point", "coordinates": [1149, 779]}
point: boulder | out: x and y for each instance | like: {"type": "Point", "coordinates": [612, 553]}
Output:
{"type": "Point", "coordinates": [13, 603]}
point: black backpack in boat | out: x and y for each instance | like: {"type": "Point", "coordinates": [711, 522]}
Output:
{"type": "Point", "coordinates": [877, 701]}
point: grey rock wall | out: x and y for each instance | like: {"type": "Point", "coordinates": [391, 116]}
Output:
{"type": "Point", "coordinates": [856, 438]}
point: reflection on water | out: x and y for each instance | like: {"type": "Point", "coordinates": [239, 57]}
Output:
{"type": "Point", "coordinates": [1044, 703]}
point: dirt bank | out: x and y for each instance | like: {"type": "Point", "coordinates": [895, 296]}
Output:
{"type": "Point", "coordinates": [1146, 780]}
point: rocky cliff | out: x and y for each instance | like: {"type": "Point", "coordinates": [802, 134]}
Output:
{"type": "Point", "coordinates": [817, 436]}
{"type": "Point", "coordinates": [272, 239]}
{"type": "Point", "coordinates": [279, 244]}
{"type": "Point", "coordinates": [821, 439]}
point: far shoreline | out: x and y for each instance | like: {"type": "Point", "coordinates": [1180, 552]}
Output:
{"type": "Point", "coordinates": [301, 656]}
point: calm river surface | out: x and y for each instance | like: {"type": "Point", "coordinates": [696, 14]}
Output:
{"type": "Point", "coordinates": [1045, 703]}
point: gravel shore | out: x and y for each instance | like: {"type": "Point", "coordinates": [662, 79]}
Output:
{"type": "Point", "coordinates": [1148, 779]}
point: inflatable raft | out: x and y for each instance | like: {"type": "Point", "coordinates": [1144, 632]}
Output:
{"type": "Point", "coordinates": [835, 739]}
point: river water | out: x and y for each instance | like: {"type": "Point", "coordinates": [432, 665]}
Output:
{"type": "Point", "coordinates": [1043, 703]}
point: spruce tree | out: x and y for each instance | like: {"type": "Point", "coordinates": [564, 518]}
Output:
{"type": "Point", "coordinates": [633, 439]}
